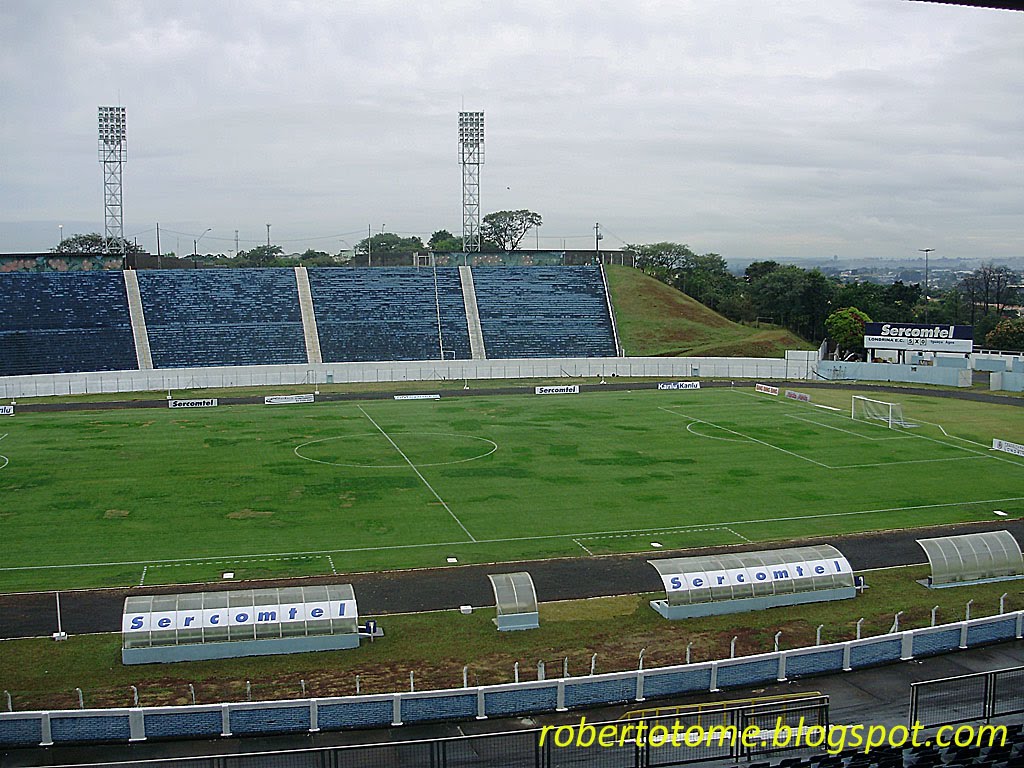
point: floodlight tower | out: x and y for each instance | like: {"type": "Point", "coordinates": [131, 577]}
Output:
{"type": "Point", "coordinates": [113, 151]}
{"type": "Point", "coordinates": [471, 157]}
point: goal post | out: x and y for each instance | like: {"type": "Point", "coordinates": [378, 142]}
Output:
{"type": "Point", "coordinates": [868, 409]}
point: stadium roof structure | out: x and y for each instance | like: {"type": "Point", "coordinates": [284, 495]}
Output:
{"type": "Point", "coordinates": [516, 600]}
{"type": "Point", "coordinates": [973, 558]}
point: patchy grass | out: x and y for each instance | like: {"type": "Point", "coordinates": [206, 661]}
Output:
{"type": "Point", "coordinates": [654, 319]}
{"type": "Point", "coordinates": [40, 673]}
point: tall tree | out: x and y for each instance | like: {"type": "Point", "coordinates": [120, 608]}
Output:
{"type": "Point", "coordinates": [846, 328]}
{"type": "Point", "coordinates": [508, 228]}
{"type": "Point", "coordinates": [1008, 334]}
{"type": "Point", "coordinates": [93, 244]}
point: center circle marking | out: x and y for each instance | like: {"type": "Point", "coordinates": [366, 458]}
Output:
{"type": "Point", "coordinates": [493, 447]}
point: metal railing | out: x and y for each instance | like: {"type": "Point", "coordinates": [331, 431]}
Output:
{"type": "Point", "coordinates": [965, 698]}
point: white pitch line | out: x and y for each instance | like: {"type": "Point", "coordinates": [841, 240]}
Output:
{"type": "Point", "coordinates": [330, 560]}
{"type": "Point", "coordinates": [142, 581]}
{"type": "Point", "coordinates": [6, 460]}
{"type": "Point", "coordinates": [739, 535]}
{"type": "Point", "coordinates": [418, 473]}
{"type": "Point", "coordinates": [570, 536]}
{"type": "Point", "coordinates": [846, 431]}
{"type": "Point", "coordinates": [748, 437]}
{"type": "Point", "coordinates": [583, 547]}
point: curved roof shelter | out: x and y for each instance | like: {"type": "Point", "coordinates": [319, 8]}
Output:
{"type": "Point", "coordinates": [516, 599]}
{"type": "Point", "coordinates": [244, 622]}
{"type": "Point", "coordinates": [973, 557]}
{"type": "Point", "coordinates": [728, 583]}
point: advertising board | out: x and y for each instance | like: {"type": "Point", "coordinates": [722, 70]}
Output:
{"type": "Point", "coordinates": [921, 338]}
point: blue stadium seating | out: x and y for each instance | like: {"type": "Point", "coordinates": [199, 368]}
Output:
{"type": "Point", "coordinates": [543, 312]}
{"type": "Point", "coordinates": [64, 322]}
{"type": "Point", "coordinates": [222, 317]}
{"type": "Point", "coordinates": [388, 313]}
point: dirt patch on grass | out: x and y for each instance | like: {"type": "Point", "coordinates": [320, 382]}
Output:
{"type": "Point", "coordinates": [116, 514]}
{"type": "Point", "coordinates": [248, 514]}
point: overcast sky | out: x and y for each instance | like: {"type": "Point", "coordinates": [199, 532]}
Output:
{"type": "Point", "coordinates": [762, 129]}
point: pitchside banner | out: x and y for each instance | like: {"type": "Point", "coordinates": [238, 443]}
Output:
{"type": "Point", "coordinates": [801, 396]}
{"type": "Point", "coordinates": [766, 389]}
{"type": "Point", "coordinates": [566, 390]}
{"type": "Point", "coordinates": [209, 402]}
{"type": "Point", "coordinates": [287, 399]}
{"type": "Point", "coordinates": [6, 410]}
{"type": "Point", "coordinates": [923, 338]}
{"type": "Point", "coordinates": [417, 397]}
{"type": "Point", "coordinates": [237, 617]}
{"type": "Point", "coordinates": [679, 385]}
{"type": "Point", "coordinates": [1007, 447]}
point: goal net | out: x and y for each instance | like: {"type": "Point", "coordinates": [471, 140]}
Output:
{"type": "Point", "coordinates": [890, 414]}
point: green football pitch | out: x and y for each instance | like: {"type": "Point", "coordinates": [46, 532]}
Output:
{"type": "Point", "coordinates": [154, 496]}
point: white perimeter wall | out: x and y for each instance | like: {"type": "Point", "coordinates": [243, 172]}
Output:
{"type": "Point", "coordinates": [797, 365]}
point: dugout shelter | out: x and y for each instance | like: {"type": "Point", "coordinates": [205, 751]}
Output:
{"type": "Point", "coordinates": [710, 585]}
{"type": "Point", "coordinates": [972, 558]}
{"type": "Point", "coordinates": [244, 622]}
{"type": "Point", "coordinates": [516, 600]}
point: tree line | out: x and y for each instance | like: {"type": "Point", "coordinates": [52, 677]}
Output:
{"type": "Point", "coordinates": [802, 300]}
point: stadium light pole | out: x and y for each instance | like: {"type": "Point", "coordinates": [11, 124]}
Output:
{"type": "Point", "coordinates": [60, 227]}
{"type": "Point", "coordinates": [926, 251]}
{"type": "Point", "coordinates": [471, 157]}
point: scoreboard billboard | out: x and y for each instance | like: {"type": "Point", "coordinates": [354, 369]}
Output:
{"type": "Point", "coordinates": [921, 338]}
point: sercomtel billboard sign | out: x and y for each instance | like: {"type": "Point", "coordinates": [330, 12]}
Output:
{"type": "Point", "coordinates": [921, 338]}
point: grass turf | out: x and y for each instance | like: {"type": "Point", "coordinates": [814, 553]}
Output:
{"type": "Point", "coordinates": [162, 496]}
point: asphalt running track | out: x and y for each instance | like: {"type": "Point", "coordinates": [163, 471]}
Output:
{"type": "Point", "coordinates": [33, 614]}
{"type": "Point", "coordinates": [88, 611]}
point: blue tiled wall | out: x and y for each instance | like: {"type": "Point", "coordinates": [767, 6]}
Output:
{"type": "Point", "coordinates": [90, 728]}
{"type": "Point", "coordinates": [456, 707]}
{"type": "Point", "coordinates": [990, 633]}
{"type": "Point", "coordinates": [814, 663]}
{"type": "Point", "coordinates": [580, 693]}
{"type": "Point", "coordinates": [875, 653]}
{"type": "Point", "coordinates": [388, 314]}
{"type": "Point", "coordinates": [182, 724]}
{"type": "Point", "coordinates": [363, 715]}
{"type": "Point", "coordinates": [269, 720]}
{"type": "Point", "coordinates": [524, 700]}
{"type": "Point", "coordinates": [936, 642]}
{"type": "Point", "coordinates": [750, 673]}
{"type": "Point", "coordinates": [58, 322]}
{"type": "Point", "coordinates": [208, 317]}
{"type": "Point", "coordinates": [677, 682]}
{"type": "Point", "coordinates": [543, 312]}
{"type": "Point", "coordinates": [21, 732]}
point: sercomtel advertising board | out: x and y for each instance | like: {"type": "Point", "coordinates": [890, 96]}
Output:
{"type": "Point", "coordinates": [922, 338]}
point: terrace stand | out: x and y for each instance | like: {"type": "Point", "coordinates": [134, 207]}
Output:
{"type": "Point", "coordinates": [715, 584]}
{"type": "Point", "coordinates": [973, 558]}
{"type": "Point", "coordinates": [516, 600]}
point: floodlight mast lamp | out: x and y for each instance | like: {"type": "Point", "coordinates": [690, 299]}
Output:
{"type": "Point", "coordinates": [113, 152]}
{"type": "Point", "coordinates": [471, 157]}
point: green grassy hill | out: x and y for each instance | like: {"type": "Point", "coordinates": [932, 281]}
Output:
{"type": "Point", "coordinates": [655, 319]}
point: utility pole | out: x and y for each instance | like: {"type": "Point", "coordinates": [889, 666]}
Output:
{"type": "Point", "coordinates": [927, 300]}
{"type": "Point", "coordinates": [268, 235]}
{"type": "Point", "coordinates": [236, 243]}
{"type": "Point", "coordinates": [597, 241]}
{"type": "Point", "coordinates": [369, 247]}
